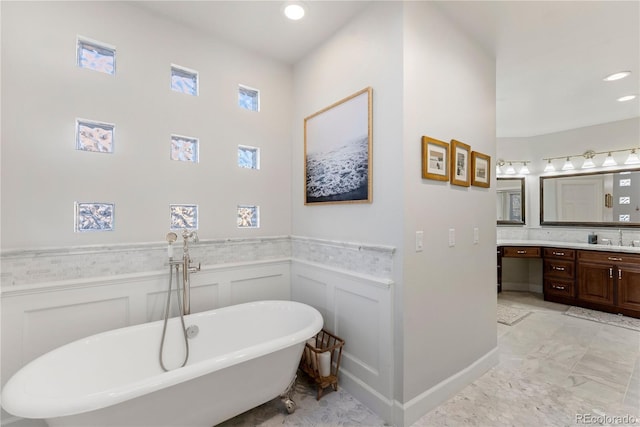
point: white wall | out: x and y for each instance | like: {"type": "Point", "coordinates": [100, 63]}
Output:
{"type": "Point", "coordinates": [449, 292]}
{"type": "Point", "coordinates": [44, 92]}
{"type": "Point", "coordinates": [444, 298]}
{"type": "Point", "coordinates": [367, 52]}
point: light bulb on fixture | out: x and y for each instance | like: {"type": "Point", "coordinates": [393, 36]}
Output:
{"type": "Point", "coordinates": [632, 159]}
{"type": "Point", "coordinates": [510, 169]}
{"type": "Point", "coordinates": [549, 167]}
{"type": "Point", "coordinates": [609, 161]}
{"type": "Point", "coordinates": [568, 165]}
{"type": "Point", "coordinates": [524, 170]}
{"type": "Point", "coordinates": [588, 163]}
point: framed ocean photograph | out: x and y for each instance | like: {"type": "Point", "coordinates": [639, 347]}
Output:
{"type": "Point", "coordinates": [435, 159]}
{"type": "Point", "coordinates": [337, 152]}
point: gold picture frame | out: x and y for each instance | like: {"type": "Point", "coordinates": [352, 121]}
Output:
{"type": "Point", "coordinates": [460, 163]}
{"type": "Point", "coordinates": [435, 159]}
{"type": "Point", "coordinates": [338, 152]}
{"type": "Point", "coordinates": [480, 169]}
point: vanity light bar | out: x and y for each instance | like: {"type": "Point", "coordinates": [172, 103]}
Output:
{"type": "Point", "coordinates": [588, 155]}
{"type": "Point", "coordinates": [524, 170]}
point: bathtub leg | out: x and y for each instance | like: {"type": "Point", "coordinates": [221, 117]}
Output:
{"type": "Point", "coordinates": [289, 404]}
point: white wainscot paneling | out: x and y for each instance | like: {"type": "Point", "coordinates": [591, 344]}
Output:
{"type": "Point", "coordinates": [358, 309]}
{"type": "Point", "coordinates": [39, 317]}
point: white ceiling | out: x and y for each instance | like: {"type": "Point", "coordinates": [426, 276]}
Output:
{"type": "Point", "coordinates": [551, 55]}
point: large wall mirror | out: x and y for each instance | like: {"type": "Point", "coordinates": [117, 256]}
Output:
{"type": "Point", "coordinates": [602, 199]}
{"type": "Point", "coordinates": [510, 203]}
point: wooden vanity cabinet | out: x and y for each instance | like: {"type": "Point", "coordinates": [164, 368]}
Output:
{"type": "Point", "coordinates": [521, 252]}
{"type": "Point", "coordinates": [559, 274]}
{"type": "Point", "coordinates": [610, 281]}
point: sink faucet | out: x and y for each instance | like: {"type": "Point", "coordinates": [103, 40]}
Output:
{"type": "Point", "coordinates": [620, 237]}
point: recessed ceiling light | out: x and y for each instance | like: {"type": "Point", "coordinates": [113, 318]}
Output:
{"type": "Point", "coordinates": [617, 76]}
{"type": "Point", "coordinates": [294, 11]}
{"type": "Point", "coordinates": [626, 98]}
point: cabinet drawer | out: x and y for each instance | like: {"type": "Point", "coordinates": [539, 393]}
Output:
{"type": "Point", "coordinates": [609, 257]}
{"type": "Point", "coordinates": [559, 253]}
{"type": "Point", "coordinates": [521, 252]}
{"type": "Point", "coordinates": [559, 268]}
{"type": "Point", "coordinates": [559, 287]}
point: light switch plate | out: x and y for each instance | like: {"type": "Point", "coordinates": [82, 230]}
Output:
{"type": "Point", "coordinates": [476, 235]}
{"type": "Point", "coordinates": [419, 241]}
{"type": "Point", "coordinates": [452, 237]}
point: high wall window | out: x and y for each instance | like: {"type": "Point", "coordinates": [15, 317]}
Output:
{"type": "Point", "coordinates": [96, 56]}
{"type": "Point", "coordinates": [94, 136]}
{"type": "Point", "coordinates": [184, 80]}
{"type": "Point", "coordinates": [248, 98]}
{"type": "Point", "coordinates": [248, 216]}
{"type": "Point", "coordinates": [94, 216]}
{"type": "Point", "coordinates": [248, 157]}
{"type": "Point", "coordinates": [184, 148]}
{"type": "Point", "coordinates": [183, 216]}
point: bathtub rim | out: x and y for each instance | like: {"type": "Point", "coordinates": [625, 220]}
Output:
{"type": "Point", "coordinates": [25, 405]}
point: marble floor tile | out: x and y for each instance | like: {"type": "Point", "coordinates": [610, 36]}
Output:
{"type": "Point", "coordinates": [553, 370]}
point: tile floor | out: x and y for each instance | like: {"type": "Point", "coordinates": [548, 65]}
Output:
{"type": "Point", "coordinates": [554, 370]}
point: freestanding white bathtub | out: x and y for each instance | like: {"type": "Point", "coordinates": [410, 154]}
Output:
{"type": "Point", "coordinates": [243, 356]}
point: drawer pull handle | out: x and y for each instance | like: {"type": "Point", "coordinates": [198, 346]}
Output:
{"type": "Point", "coordinates": [521, 252]}
{"type": "Point", "coordinates": [610, 272]}
{"type": "Point", "coordinates": [558, 253]}
{"type": "Point", "coordinates": [553, 267]}
{"type": "Point", "coordinates": [619, 274]}
{"type": "Point", "coordinates": [613, 258]}
{"type": "Point", "coordinates": [558, 287]}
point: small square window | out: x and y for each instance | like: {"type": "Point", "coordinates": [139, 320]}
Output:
{"type": "Point", "coordinates": [94, 136]}
{"type": "Point", "coordinates": [248, 98]}
{"type": "Point", "coordinates": [94, 216]}
{"type": "Point", "coordinates": [184, 148]}
{"type": "Point", "coordinates": [624, 218]}
{"type": "Point", "coordinates": [96, 56]}
{"type": "Point", "coordinates": [624, 200]}
{"type": "Point", "coordinates": [248, 216]}
{"type": "Point", "coordinates": [248, 157]}
{"type": "Point", "coordinates": [184, 80]}
{"type": "Point", "coordinates": [184, 216]}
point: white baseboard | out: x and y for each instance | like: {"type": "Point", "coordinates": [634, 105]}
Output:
{"type": "Point", "coordinates": [408, 413]}
{"type": "Point", "coordinates": [373, 400]}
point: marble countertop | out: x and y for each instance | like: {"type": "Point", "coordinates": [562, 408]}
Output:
{"type": "Point", "coordinates": [569, 245]}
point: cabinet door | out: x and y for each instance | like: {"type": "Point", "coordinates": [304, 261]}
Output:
{"type": "Point", "coordinates": [595, 283]}
{"type": "Point", "coordinates": [629, 287]}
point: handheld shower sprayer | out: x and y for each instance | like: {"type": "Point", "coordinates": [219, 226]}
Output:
{"type": "Point", "coordinates": [171, 238]}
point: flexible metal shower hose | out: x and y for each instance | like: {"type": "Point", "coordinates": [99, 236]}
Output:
{"type": "Point", "coordinates": [166, 317]}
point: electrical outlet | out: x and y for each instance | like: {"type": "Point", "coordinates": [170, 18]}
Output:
{"type": "Point", "coordinates": [452, 237]}
{"type": "Point", "coordinates": [419, 241]}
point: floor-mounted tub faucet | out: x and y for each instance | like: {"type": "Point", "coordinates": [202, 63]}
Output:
{"type": "Point", "coordinates": [187, 269]}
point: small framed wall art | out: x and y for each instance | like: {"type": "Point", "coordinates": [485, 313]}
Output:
{"type": "Point", "coordinates": [480, 169]}
{"type": "Point", "coordinates": [435, 159]}
{"type": "Point", "coordinates": [460, 153]}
